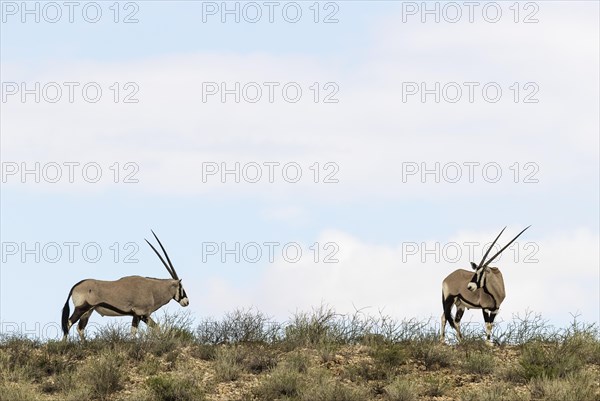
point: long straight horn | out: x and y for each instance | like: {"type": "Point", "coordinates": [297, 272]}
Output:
{"type": "Point", "coordinates": [490, 248]}
{"type": "Point", "coordinates": [172, 271]}
{"type": "Point", "coordinates": [505, 246]}
{"type": "Point", "coordinates": [160, 257]}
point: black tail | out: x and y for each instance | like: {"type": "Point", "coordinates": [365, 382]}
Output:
{"type": "Point", "coordinates": [65, 311]}
{"type": "Point", "coordinates": [447, 303]}
{"type": "Point", "coordinates": [65, 315]}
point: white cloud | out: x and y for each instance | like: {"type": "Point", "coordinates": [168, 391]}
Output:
{"type": "Point", "coordinates": [369, 133]}
{"type": "Point", "coordinates": [563, 281]}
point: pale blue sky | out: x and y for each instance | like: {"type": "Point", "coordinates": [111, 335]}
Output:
{"type": "Point", "coordinates": [370, 213]}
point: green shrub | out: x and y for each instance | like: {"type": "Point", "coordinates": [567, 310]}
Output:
{"type": "Point", "coordinates": [401, 389]}
{"type": "Point", "coordinates": [328, 352]}
{"type": "Point", "coordinates": [436, 386]}
{"type": "Point", "coordinates": [112, 334]}
{"type": "Point", "coordinates": [160, 346]}
{"type": "Point", "coordinates": [239, 326]}
{"type": "Point", "coordinates": [104, 375]}
{"type": "Point", "coordinates": [512, 373]}
{"type": "Point", "coordinates": [284, 382]}
{"type": "Point", "coordinates": [433, 354]}
{"type": "Point", "coordinates": [227, 364]}
{"type": "Point", "coordinates": [66, 381]}
{"type": "Point", "coordinates": [297, 361]}
{"type": "Point", "coordinates": [579, 386]}
{"type": "Point", "coordinates": [174, 388]}
{"type": "Point", "coordinates": [18, 358]}
{"type": "Point", "coordinates": [259, 359]}
{"type": "Point", "coordinates": [390, 355]}
{"type": "Point", "coordinates": [205, 352]}
{"type": "Point", "coordinates": [17, 392]}
{"type": "Point", "coordinates": [481, 363]}
{"type": "Point", "coordinates": [549, 360]}
{"type": "Point", "coordinates": [65, 348]}
{"type": "Point", "coordinates": [310, 329]}
{"type": "Point", "coordinates": [367, 371]}
{"type": "Point", "coordinates": [149, 366]}
{"type": "Point", "coordinates": [50, 365]}
{"type": "Point", "coordinates": [473, 343]}
{"type": "Point", "coordinates": [585, 345]}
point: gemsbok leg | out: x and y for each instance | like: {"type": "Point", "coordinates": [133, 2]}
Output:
{"type": "Point", "coordinates": [459, 314]}
{"type": "Point", "coordinates": [489, 323]}
{"type": "Point", "coordinates": [77, 314]}
{"type": "Point", "coordinates": [151, 323]}
{"type": "Point", "coordinates": [136, 322]}
{"type": "Point", "coordinates": [83, 321]}
{"type": "Point", "coordinates": [447, 317]}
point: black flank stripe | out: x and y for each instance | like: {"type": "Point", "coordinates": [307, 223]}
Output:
{"type": "Point", "coordinates": [115, 309]}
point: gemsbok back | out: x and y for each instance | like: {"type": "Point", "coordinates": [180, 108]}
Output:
{"type": "Point", "coordinates": [128, 296]}
{"type": "Point", "coordinates": [483, 289]}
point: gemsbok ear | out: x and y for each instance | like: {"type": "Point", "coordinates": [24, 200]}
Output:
{"type": "Point", "coordinates": [473, 266]}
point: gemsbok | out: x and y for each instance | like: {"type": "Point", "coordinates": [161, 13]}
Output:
{"type": "Point", "coordinates": [128, 296]}
{"type": "Point", "coordinates": [483, 289]}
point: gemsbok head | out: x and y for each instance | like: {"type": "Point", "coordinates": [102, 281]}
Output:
{"type": "Point", "coordinates": [482, 289]}
{"type": "Point", "coordinates": [128, 296]}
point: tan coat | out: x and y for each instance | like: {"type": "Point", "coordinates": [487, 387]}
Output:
{"type": "Point", "coordinates": [131, 295]}
{"type": "Point", "coordinates": [455, 285]}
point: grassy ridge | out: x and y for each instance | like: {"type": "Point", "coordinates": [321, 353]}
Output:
{"type": "Point", "coordinates": [315, 356]}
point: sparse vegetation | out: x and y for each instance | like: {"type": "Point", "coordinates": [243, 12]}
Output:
{"type": "Point", "coordinates": [433, 355]}
{"type": "Point", "coordinates": [401, 390]}
{"type": "Point", "coordinates": [495, 392]}
{"type": "Point", "coordinates": [319, 355]}
{"type": "Point", "coordinates": [436, 386]}
{"type": "Point", "coordinates": [389, 356]}
{"type": "Point", "coordinates": [284, 382]}
{"type": "Point", "coordinates": [580, 386]}
{"type": "Point", "coordinates": [322, 386]}
{"type": "Point", "coordinates": [103, 375]}
{"type": "Point", "coordinates": [555, 359]}
{"type": "Point", "coordinates": [174, 388]}
{"type": "Point", "coordinates": [228, 364]}
{"type": "Point", "coordinates": [478, 362]}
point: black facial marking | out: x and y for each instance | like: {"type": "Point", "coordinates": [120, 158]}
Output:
{"type": "Point", "coordinates": [475, 280]}
{"type": "Point", "coordinates": [478, 278]}
{"type": "Point", "coordinates": [180, 293]}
